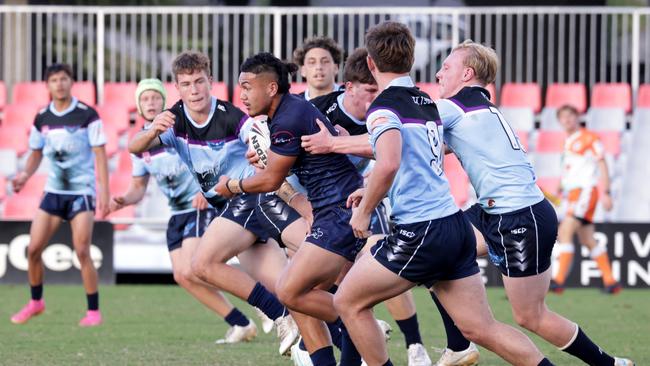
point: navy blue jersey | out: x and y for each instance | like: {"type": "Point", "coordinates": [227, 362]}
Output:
{"type": "Point", "coordinates": [328, 178]}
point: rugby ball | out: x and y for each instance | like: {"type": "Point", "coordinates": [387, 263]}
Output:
{"type": "Point", "coordinates": [259, 138]}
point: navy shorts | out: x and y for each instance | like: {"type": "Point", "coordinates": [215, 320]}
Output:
{"type": "Point", "coordinates": [188, 225]}
{"type": "Point", "coordinates": [67, 206]}
{"type": "Point", "coordinates": [265, 214]}
{"type": "Point", "coordinates": [520, 243]}
{"type": "Point", "coordinates": [379, 223]}
{"type": "Point", "coordinates": [425, 252]}
{"type": "Point", "coordinates": [331, 231]}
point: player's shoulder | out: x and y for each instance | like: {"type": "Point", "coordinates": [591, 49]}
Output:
{"type": "Point", "coordinates": [328, 102]}
{"type": "Point", "coordinates": [471, 98]}
{"type": "Point", "coordinates": [87, 111]}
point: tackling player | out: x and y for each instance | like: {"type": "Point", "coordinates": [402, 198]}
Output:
{"type": "Point", "coordinates": [432, 243]}
{"type": "Point", "coordinates": [69, 133]}
{"type": "Point", "coordinates": [191, 213]}
{"type": "Point", "coordinates": [210, 137]}
{"type": "Point", "coordinates": [518, 225]}
{"type": "Point", "coordinates": [319, 59]}
{"type": "Point", "coordinates": [582, 160]}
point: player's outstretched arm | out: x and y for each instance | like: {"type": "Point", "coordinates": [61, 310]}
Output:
{"type": "Point", "coordinates": [323, 142]}
{"type": "Point", "coordinates": [33, 161]}
{"type": "Point", "coordinates": [149, 138]}
{"type": "Point", "coordinates": [101, 162]}
{"type": "Point", "coordinates": [134, 194]}
{"type": "Point", "coordinates": [268, 179]}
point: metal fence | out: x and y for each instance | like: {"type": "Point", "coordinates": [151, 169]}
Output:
{"type": "Point", "coordinates": [535, 44]}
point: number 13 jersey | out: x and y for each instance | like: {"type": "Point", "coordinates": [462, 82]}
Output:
{"type": "Point", "coordinates": [420, 191]}
{"type": "Point", "coordinates": [489, 151]}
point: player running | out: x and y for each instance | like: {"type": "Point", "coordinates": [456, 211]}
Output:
{"type": "Point", "coordinates": [191, 213]}
{"type": "Point", "coordinates": [329, 178]}
{"type": "Point", "coordinates": [346, 109]}
{"type": "Point", "coordinates": [518, 225]}
{"type": "Point", "coordinates": [432, 243]}
{"type": "Point", "coordinates": [69, 133]}
{"type": "Point", "coordinates": [583, 159]}
{"type": "Point", "coordinates": [210, 137]}
{"type": "Point", "coordinates": [319, 59]}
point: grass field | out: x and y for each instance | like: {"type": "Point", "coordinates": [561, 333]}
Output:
{"type": "Point", "coordinates": [161, 325]}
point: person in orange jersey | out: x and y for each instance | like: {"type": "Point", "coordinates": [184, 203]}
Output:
{"type": "Point", "coordinates": [583, 164]}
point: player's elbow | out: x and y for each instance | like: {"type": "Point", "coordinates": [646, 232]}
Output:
{"type": "Point", "coordinates": [135, 147]}
{"type": "Point", "coordinates": [388, 167]}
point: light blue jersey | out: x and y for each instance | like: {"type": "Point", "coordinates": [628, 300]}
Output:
{"type": "Point", "coordinates": [173, 178]}
{"type": "Point", "coordinates": [489, 151]}
{"type": "Point", "coordinates": [213, 149]}
{"type": "Point", "coordinates": [67, 139]}
{"type": "Point", "coordinates": [420, 191]}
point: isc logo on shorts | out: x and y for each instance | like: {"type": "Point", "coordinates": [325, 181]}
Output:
{"type": "Point", "coordinates": [520, 230]}
{"type": "Point", "coordinates": [408, 234]}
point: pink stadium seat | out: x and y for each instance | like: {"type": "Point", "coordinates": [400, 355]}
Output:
{"type": "Point", "coordinates": [34, 186]}
{"type": "Point", "coordinates": [14, 138]}
{"type": "Point", "coordinates": [550, 141]}
{"type": "Point", "coordinates": [124, 165]}
{"type": "Point", "coordinates": [522, 95]}
{"type": "Point", "coordinates": [33, 92]}
{"type": "Point", "coordinates": [574, 94]}
{"type": "Point", "coordinates": [120, 93]}
{"type": "Point", "coordinates": [297, 88]}
{"type": "Point", "coordinates": [172, 94]}
{"type": "Point", "coordinates": [643, 97]}
{"type": "Point", "coordinates": [611, 141]}
{"type": "Point", "coordinates": [3, 187]}
{"type": "Point", "coordinates": [615, 95]}
{"type": "Point", "coordinates": [458, 179]}
{"type": "Point", "coordinates": [21, 207]}
{"type": "Point", "coordinates": [119, 183]}
{"type": "Point", "coordinates": [3, 94]}
{"type": "Point", "coordinates": [220, 90]}
{"type": "Point", "coordinates": [550, 185]}
{"type": "Point", "coordinates": [523, 138]}
{"type": "Point", "coordinates": [116, 115]}
{"type": "Point", "coordinates": [236, 100]}
{"type": "Point", "coordinates": [20, 115]}
{"type": "Point", "coordinates": [431, 89]}
{"type": "Point", "coordinates": [112, 137]}
{"type": "Point", "coordinates": [85, 92]}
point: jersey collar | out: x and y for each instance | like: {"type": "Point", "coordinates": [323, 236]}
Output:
{"type": "Point", "coordinates": [213, 107]}
{"type": "Point", "coordinates": [307, 97]}
{"type": "Point", "coordinates": [404, 81]}
{"type": "Point", "coordinates": [339, 100]}
{"type": "Point", "coordinates": [71, 107]}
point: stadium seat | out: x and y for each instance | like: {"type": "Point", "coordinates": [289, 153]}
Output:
{"type": "Point", "coordinates": [85, 92]}
{"type": "Point", "coordinates": [430, 88]}
{"type": "Point", "coordinates": [20, 115]}
{"type": "Point", "coordinates": [173, 95]}
{"type": "Point", "coordinates": [550, 141]}
{"type": "Point", "coordinates": [120, 93]}
{"type": "Point", "coordinates": [612, 95]}
{"type": "Point", "coordinates": [643, 96]}
{"type": "Point", "coordinates": [522, 95]}
{"type": "Point", "coordinates": [112, 139]}
{"type": "Point", "coordinates": [3, 95]}
{"type": "Point", "coordinates": [119, 183]}
{"type": "Point", "coordinates": [458, 179]}
{"type": "Point", "coordinates": [520, 119]}
{"type": "Point", "coordinates": [550, 185]}
{"type": "Point", "coordinates": [548, 120]}
{"type": "Point", "coordinates": [34, 186]}
{"type": "Point", "coordinates": [32, 92]}
{"type": "Point", "coordinates": [611, 141]}
{"type": "Point", "coordinates": [220, 90]}
{"type": "Point", "coordinates": [124, 165]}
{"type": "Point", "coordinates": [8, 162]}
{"type": "Point", "coordinates": [297, 88]}
{"type": "Point", "coordinates": [574, 94]}
{"type": "Point", "coordinates": [14, 138]}
{"type": "Point", "coordinates": [236, 100]}
{"type": "Point", "coordinates": [3, 187]}
{"type": "Point", "coordinates": [547, 164]}
{"type": "Point", "coordinates": [606, 119]}
{"type": "Point", "coordinates": [19, 207]}
{"type": "Point", "coordinates": [116, 115]}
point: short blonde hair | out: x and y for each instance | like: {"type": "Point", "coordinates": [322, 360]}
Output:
{"type": "Point", "coordinates": [482, 59]}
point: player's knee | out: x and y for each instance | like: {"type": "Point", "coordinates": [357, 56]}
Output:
{"type": "Point", "coordinates": [284, 293]}
{"type": "Point", "coordinates": [34, 253]}
{"type": "Point", "coordinates": [199, 268]}
{"type": "Point", "coordinates": [83, 254]}
{"type": "Point", "coordinates": [528, 319]}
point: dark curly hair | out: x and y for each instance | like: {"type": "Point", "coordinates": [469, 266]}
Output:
{"type": "Point", "coordinates": [266, 62]}
{"type": "Point", "coordinates": [325, 43]}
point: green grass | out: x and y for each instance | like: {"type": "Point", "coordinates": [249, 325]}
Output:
{"type": "Point", "coordinates": [162, 325]}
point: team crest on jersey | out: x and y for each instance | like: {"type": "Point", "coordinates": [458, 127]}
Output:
{"type": "Point", "coordinates": [332, 108]}
{"type": "Point", "coordinates": [71, 129]}
{"type": "Point", "coordinates": [218, 145]}
{"type": "Point", "coordinates": [282, 137]}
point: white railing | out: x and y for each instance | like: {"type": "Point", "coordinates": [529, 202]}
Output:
{"type": "Point", "coordinates": [535, 44]}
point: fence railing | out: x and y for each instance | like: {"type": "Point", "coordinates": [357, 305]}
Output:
{"type": "Point", "coordinates": [535, 44]}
